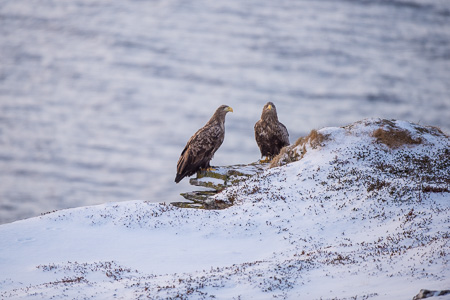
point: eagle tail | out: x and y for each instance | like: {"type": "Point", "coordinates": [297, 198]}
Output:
{"type": "Point", "coordinates": [179, 177]}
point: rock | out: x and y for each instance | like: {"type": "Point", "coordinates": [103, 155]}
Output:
{"type": "Point", "coordinates": [217, 180]}
{"type": "Point", "coordinates": [428, 294]}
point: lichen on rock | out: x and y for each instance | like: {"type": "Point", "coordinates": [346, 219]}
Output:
{"type": "Point", "coordinates": [216, 180]}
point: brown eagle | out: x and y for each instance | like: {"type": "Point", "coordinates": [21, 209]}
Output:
{"type": "Point", "coordinates": [202, 145]}
{"type": "Point", "coordinates": [270, 134]}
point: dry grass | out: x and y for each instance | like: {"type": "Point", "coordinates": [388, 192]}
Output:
{"type": "Point", "coordinates": [433, 130]}
{"type": "Point", "coordinates": [395, 138]}
{"type": "Point", "coordinates": [297, 150]}
{"type": "Point", "coordinates": [315, 138]}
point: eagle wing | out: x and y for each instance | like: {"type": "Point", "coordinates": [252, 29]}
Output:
{"type": "Point", "coordinates": [283, 134]}
{"type": "Point", "coordinates": [199, 150]}
{"type": "Point", "coordinates": [260, 134]}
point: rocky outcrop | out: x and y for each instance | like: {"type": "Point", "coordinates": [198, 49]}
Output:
{"type": "Point", "coordinates": [428, 294]}
{"type": "Point", "coordinates": [425, 172]}
{"type": "Point", "coordinates": [215, 181]}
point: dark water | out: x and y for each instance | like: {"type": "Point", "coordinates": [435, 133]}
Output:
{"type": "Point", "coordinates": [98, 97]}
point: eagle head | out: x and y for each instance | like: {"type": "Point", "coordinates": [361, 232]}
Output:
{"type": "Point", "coordinates": [227, 108]}
{"type": "Point", "coordinates": [220, 113]}
{"type": "Point", "coordinates": [269, 111]}
{"type": "Point", "coordinates": [223, 110]}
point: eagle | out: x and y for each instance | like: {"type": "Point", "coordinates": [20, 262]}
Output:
{"type": "Point", "coordinates": [202, 145]}
{"type": "Point", "coordinates": [270, 134]}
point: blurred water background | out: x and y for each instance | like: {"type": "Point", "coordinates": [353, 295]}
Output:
{"type": "Point", "coordinates": [99, 97]}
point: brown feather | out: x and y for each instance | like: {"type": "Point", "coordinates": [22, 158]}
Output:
{"type": "Point", "coordinates": [270, 134]}
{"type": "Point", "coordinates": [201, 147]}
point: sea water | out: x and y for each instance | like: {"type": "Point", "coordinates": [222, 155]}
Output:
{"type": "Point", "coordinates": [98, 97]}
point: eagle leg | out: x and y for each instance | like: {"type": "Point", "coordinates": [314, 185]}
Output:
{"type": "Point", "coordinates": [205, 172]}
{"type": "Point", "coordinates": [208, 168]}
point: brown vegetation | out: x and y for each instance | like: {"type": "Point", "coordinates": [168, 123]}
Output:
{"type": "Point", "coordinates": [433, 130]}
{"type": "Point", "coordinates": [395, 138]}
{"type": "Point", "coordinates": [296, 151]}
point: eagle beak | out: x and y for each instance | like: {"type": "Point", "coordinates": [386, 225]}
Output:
{"type": "Point", "coordinates": [269, 107]}
{"type": "Point", "coordinates": [229, 109]}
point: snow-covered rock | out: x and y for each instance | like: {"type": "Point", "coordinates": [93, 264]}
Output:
{"type": "Point", "coordinates": [351, 216]}
{"type": "Point", "coordinates": [428, 294]}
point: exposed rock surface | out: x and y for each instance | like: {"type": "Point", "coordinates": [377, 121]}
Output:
{"type": "Point", "coordinates": [215, 181]}
{"type": "Point", "coordinates": [428, 294]}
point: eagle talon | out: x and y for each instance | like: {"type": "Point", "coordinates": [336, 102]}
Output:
{"type": "Point", "coordinates": [206, 170]}
{"type": "Point", "coordinates": [264, 160]}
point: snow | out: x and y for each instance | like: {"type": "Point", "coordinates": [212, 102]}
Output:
{"type": "Point", "coordinates": [312, 229]}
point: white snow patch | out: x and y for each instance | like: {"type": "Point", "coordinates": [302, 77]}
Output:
{"type": "Point", "coordinates": [351, 219]}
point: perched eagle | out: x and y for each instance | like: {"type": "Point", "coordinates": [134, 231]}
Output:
{"type": "Point", "coordinates": [202, 145]}
{"type": "Point", "coordinates": [270, 134]}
